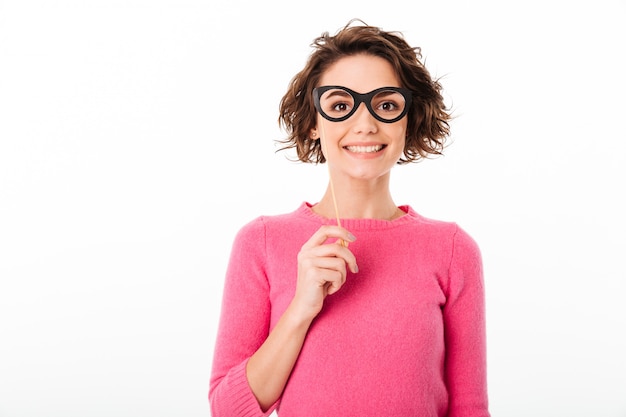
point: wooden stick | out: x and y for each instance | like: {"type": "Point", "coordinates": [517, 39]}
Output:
{"type": "Point", "coordinates": [330, 180]}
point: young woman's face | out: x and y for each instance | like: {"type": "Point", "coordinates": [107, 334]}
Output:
{"type": "Point", "coordinates": [361, 146]}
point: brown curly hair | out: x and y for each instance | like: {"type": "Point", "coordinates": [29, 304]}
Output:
{"type": "Point", "coordinates": [428, 116]}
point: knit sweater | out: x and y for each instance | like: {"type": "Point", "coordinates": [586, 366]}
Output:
{"type": "Point", "coordinates": [405, 336]}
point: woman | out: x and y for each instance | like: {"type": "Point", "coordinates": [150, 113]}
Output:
{"type": "Point", "coordinates": [355, 306]}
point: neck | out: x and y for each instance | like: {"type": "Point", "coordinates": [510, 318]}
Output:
{"type": "Point", "coordinates": [359, 200]}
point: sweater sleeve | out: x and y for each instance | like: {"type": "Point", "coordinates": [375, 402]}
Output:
{"type": "Point", "coordinates": [243, 326]}
{"type": "Point", "coordinates": [465, 335]}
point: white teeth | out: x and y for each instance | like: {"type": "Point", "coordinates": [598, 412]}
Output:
{"type": "Point", "coordinates": [364, 149]}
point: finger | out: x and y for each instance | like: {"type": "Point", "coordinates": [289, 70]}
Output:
{"type": "Point", "coordinates": [325, 268]}
{"type": "Point", "coordinates": [331, 251]}
{"type": "Point", "coordinates": [333, 288]}
{"type": "Point", "coordinates": [348, 257]}
{"type": "Point", "coordinates": [342, 243]}
{"type": "Point", "coordinates": [320, 270]}
{"type": "Point", "coordinates": [326, 232]}
{"type": "Point", "coordinates": [333, 282]}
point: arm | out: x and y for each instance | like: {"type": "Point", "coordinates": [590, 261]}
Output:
{"type": "Point", "coordinates": [251, 367]}
{"type": "Point", "coordinates": [243, 326]}
{"type": "Point", "coordinates": [464, 320]}
{"type": "Point", "coordinates": [269, 368]}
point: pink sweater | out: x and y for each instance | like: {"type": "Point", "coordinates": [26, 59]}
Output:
{"type": "Point", "coordinates": [405, 336]}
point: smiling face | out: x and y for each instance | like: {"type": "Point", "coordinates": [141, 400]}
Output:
{"type": "Point", "coordinates": [361, 147]}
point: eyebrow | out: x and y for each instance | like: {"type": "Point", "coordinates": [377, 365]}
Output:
{"type": "Point", "coordinates": [339, 92]}
{"type": "Point", "coordinates": [387, 93]}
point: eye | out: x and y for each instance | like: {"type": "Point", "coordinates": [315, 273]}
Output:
{"type": "Point", "coordinates": [389, 106]}
{"type": "Point", "coordinates": [336, 102]}
{"type": "Point", "coordinates": [341, 107]}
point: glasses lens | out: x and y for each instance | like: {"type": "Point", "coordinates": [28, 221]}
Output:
{"type": "Point", "coordinates": [336, 103]}
{"type": "Point", "coordinates": [388, 104]}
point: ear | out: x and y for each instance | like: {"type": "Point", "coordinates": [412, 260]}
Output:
{"type": "Point", "coordinates": [313, 134]}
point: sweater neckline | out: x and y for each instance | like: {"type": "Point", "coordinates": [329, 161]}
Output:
{"type": "Point", "coordinates": [410, 215]}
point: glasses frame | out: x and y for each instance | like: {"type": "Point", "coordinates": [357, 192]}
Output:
{"type": "Point", "coordinates": [362, 98]}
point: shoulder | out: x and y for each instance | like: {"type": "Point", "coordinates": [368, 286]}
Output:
{"type": "Point", "coordinates": [277, 225]}
{"type": "Point", "coordinates": [456, 251]}
{"type": "Point", "coordinates": [445, 233]}
{"type": "Point", "coordinates": [446, 229]}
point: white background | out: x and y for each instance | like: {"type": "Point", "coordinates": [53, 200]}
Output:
{"type": "Point", "coordinates": [136, 137]}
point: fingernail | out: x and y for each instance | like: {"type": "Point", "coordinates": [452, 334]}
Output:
{"type": "Point", "coordinates": [351, 237]}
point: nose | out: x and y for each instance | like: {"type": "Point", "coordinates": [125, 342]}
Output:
{"type": "Point", "coordinates": [363, 121]}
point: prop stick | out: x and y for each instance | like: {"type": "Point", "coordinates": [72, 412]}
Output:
{"type": "Point", "coordinates": [330, 181]}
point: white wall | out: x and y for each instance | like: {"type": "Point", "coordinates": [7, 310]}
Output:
{"type": "Point", "coordinates": [137, 136]}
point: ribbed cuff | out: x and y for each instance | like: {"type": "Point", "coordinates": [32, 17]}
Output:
{"type": "Point", "coordinates": [234, 398]}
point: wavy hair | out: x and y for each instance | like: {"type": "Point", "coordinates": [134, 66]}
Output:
{"type": "Point", "coordinates": [428, 118]}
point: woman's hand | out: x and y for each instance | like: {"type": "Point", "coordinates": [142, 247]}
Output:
{"type": "Point", "coordinates": [322, 269]}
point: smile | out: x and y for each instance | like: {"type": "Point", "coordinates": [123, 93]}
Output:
{"type": "Point", "coordinates": [365, 149]}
